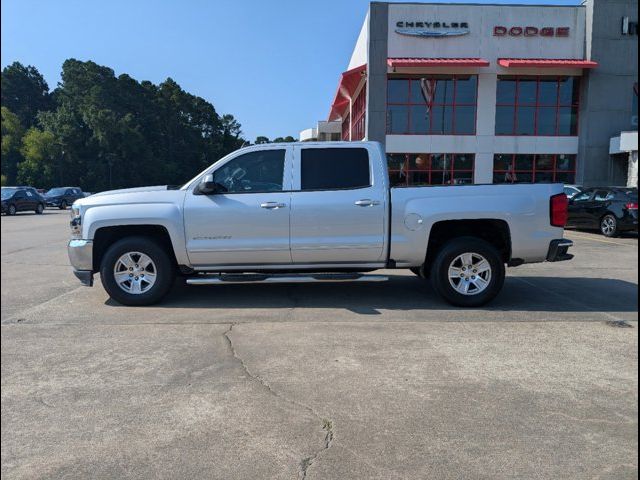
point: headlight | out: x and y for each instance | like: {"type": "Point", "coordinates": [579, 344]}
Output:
{"type": "Point", "coordinates": [76, 222]}
{"type": "Point", "coordinates": [74, 211]}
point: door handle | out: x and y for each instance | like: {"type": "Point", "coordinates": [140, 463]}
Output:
{"type": "Point", "coordinates": [366, 202]}
{"type": "Point", "coordinates": [272, 205]}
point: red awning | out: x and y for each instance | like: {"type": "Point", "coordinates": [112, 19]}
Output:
{"type": "Point", "coordinates": [349, 82]}
{"type": "Point", "coordinates": [437, 62]}
{"type": "Point", "coordinates": [546, 63]}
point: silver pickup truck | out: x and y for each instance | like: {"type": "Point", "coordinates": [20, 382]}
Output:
{"type": "Point", "coordinates": [313, 212]}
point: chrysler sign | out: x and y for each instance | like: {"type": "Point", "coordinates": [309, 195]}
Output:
{"type": "Point", "coordinates": [432, 29]}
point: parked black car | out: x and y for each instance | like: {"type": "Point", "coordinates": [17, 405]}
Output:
{"type": "Point", "coordinates": [62, 197]}
{"type": "Point", "coordinates": [610, 209]}
{"type": "Point", "coordinates": [20, 199]}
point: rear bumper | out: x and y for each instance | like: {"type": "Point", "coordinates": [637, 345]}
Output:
{"type": "Point", "coordinates": [558, 250]}
{"type": "Point", "coordinates": [628, 223]}
{"type": "Point", "coordinates": [81, 258]}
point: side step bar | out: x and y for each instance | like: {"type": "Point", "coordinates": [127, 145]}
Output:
{"type": "Point", "coordinates": [227, 279]}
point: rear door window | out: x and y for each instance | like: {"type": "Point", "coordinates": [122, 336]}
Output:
{"type": "Point", "coordinates": [603, 196]}
{"type": "Point", "coordinates": [335, 168]}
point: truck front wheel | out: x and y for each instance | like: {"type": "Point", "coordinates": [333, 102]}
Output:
{"type": "Point", "coordinates": [468, 272]}
{"type": "Point", "coordinates": [136, 271]}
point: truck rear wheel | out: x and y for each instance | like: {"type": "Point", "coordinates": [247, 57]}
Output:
{"type": "Point", "coordinates": [136, 271]}
{"type": "Point", "coordinates": [468, 272]}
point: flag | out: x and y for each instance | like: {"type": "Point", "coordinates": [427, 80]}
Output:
{"type": "Point", "coordinates": [428, 88]}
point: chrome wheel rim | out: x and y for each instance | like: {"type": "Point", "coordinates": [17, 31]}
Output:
{"type": "Point", "coordinates": [135, 272]}
{"type": "Point", "coordinates": [469, 273]}
{"type": "Point", "coordinates": [608, 225]}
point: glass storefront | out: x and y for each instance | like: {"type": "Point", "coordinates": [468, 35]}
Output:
{"type": "Point", "coordinates": [541, 168]}
{"type": "Point", "coordinates": [415, 169]}
{"type": "Point", "coordinates": [537, 105]}
{"type": "Point", "coordinates": [432, 105]}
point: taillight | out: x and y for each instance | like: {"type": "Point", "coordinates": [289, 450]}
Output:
{"type": "Point", "coordinates": [631, 206]}
{"type": "Point", "coordinates": [559, 210]}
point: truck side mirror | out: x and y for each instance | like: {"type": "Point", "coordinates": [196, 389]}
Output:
{"type": "Point", "coordinates": [208, 186]}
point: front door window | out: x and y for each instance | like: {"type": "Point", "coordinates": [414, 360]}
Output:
{"type": "Point", "coordinates": [252, 172]}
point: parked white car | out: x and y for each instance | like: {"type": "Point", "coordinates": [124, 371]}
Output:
{"type": "Point", "coordinates": [313, 212]}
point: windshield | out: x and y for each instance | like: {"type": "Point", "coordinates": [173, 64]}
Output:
{"type": "Point", "coordinates": [8, 193]}
{"type": "Point", "coordinates": [56, 191]}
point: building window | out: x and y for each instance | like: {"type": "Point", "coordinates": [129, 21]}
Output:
{"type": "Point", "coordinates": [433, 105]}
{"type": "Point", "coordinates": [345, 127]}
{"type": "Point", "coordinates": [358, 114]}
{"type": "Point", "coordinates": [537, 106]}
{"type": "Point", "coordinates": [409, 169]}
{"type": "Point", "coordinates": [525, 168]}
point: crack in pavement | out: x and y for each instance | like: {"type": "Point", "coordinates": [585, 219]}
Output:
{"type": "Point", "coordinates": [327, 425]}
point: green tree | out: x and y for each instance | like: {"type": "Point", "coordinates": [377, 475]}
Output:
{"type": "Point", "coordinates": [25, 92]}
{"type": "Point", "coordinates": [12, 132]}
{"type": "Point", "coordinates": [287, 139]}
{"type": "Point", "coordinates": [262, 140]}
{"type": "Point", "coordinates": [231, 133]}
{"type": "Point", "coordinates": [41, 152]}
{"type": "Point", "coordinates": [107, 131]}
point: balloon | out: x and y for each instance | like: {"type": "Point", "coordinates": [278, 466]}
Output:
{"type": "Point", "coordinates": [421, 162]}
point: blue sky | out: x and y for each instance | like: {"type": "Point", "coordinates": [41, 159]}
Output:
{"type": "Point", "coordinates": [273, 64]}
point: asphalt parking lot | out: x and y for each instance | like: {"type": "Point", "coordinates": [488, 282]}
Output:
{"type": "Point", "coordinates": [324, 381]}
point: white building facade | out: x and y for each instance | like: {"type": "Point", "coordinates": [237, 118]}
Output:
{"type": "Point", "coordinates": [464, 94]}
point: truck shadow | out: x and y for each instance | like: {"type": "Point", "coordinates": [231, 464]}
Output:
{"type": "Point", "coordinates": [406, 293]}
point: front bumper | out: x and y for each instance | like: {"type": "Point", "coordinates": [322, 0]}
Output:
{"type": "Point", "coordinates": [85, 277]}
{"type": "Point", "coordinates": [558, 250]}
{"type": "Point", "coordinates": [81, 258]}
{"type": "Point", "coordinates": [54, 203]}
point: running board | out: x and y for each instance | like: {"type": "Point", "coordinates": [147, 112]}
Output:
{"type": "Point", "coordinates": [226, 279]}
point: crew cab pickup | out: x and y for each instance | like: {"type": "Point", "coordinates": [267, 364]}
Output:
{"type": "Point", "coordinates": [313, 212]}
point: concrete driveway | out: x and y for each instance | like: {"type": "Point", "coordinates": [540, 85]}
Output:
{"type": "Point", "coordinates": [319, 381]}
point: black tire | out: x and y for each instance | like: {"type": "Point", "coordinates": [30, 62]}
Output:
{"type": "Point", "coordinates": [165, 271]}
{"type": "Point", "coordinates": [447, 255]}
{"type": "Point", "coordinates": [11, 210]}
{"type": "Point", "coordinates": [609, 226]}
{"type": "Point", "coordinates": [40, 208]}
{"type": "Point", "coordinates": [63, 205]}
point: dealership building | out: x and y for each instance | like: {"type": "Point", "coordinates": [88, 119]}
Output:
{"type": "Point", "coordinates": [477, 93]}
